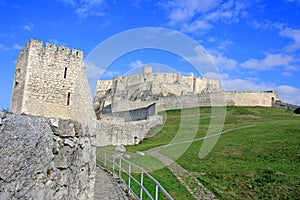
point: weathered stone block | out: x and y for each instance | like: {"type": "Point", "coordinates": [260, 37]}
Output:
{"type": "Point", "coordinates": [40, 161]}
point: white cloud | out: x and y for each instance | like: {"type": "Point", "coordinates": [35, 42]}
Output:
{"type": "Point", "coordinates": [69, 2]}
{"type": "Point", "coordinates": [17, 47]}
{"type": "Point", "coordinates": [182, 11]}
{"type": "Point", "coordinates": [193, 15]}
{"type": "Point", "coordinates": [222, 61]}
{"type": "Point", "coordinates": [293, 1]}
{"type": "Point", "coordinates": [9, 48]}
{"type": "Point", "coordinates": [92, 70]}
{"type": "Point", "coordinates": [287, 74]}
{"type": "Point", "coordinates": [53, 41]}
{"type": "Point", "coordinates": [110, 74]}
{"type": "Point", "coordinates": [3, 47]}
{"type": "Point", "coordinates": [242, 84]}
{"type": "Point", "coordinates": [293, 34]}
{"type": "Point", "coordinates": [28, 27]}
{"type": "Point", "coordinates": [215, 76]}
{"type": "Point", "coordinates": [90, 8]}
{"type": "Point", "coordinates": [289, 94]}
{"type": "Point", "coordinates": [196, 25]}
{"type": "Point", "coordinates": [269, 62]}
{"type": "Point", "coordinates": [211, 60]}
{"type": "Point", "coordinates": [136, 64]}
{"type": "Point", "coordinates": [85, 8]}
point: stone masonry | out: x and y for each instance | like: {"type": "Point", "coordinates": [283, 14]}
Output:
{"type": "Point", "coordinates": [45, 158]}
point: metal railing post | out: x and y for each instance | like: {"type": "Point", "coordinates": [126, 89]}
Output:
{"type": "Point", "coordinates": [142, 179]}
{"type": "Point", "coordinates": [120, 167]}
{"type": "Point", "coordinates": [113, 164]}
{"type": "Point", "coordinates": [129, 174]}
{"type": "Point", "coordinates": [105, 159]}
{"type": "Point", "coordinates": [156, 192]}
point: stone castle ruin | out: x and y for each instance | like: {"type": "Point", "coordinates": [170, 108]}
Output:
{"type": "Point", "coordinates": [169, 91]}
{"type": "Point", "coordinates": [50, 81]}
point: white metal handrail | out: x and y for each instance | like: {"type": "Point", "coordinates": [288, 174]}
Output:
{"type": "Point", "coordinates": [116, 164]}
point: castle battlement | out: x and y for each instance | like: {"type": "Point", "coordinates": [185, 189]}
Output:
{"type": "Point", "coordinates": [49, 47]}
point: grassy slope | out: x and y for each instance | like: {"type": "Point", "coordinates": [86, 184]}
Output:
{"type": "Point", "coordinates": [255, 162]}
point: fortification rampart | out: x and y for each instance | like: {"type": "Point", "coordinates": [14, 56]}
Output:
{"type": "Point", "coordinates": [238, 98]}
{"type": "Point", "coordinates": [251, 98]}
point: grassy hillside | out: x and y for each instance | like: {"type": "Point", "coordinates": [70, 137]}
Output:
{"type": "Point", "coordinates": [261, 161]}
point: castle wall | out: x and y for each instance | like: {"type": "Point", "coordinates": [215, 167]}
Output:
{"type": "Point", "coordinates": [55, 83]}
{"type": "Point", "coordinates": [115, 131]}
{"type": "Point", "coordinates": [250, 98]}
{"type": "Point", "coordinates": [103, 86]}
{"type": "Point", "coordinates": [242, 98]}
{"type": "Point", "coordinates": [19, 81]}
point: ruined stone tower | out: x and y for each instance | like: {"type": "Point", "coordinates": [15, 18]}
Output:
{"type": "Point", "coordinates": [51, 81]}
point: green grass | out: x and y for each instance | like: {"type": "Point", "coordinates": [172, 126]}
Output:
{"type": "Point", "coordinates": [258, 162]}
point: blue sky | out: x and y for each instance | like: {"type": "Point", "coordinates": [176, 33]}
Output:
{"type": "Point", "coordinates": [255, 44]}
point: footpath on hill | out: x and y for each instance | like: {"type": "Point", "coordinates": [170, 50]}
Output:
{"type": "Point", "coordinates": [187, 179]}
{"type": "Point", "coordinates": [106, 188]}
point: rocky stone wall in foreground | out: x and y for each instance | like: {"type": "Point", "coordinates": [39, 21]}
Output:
{"type": "Point", "coordinates": [45, 158]}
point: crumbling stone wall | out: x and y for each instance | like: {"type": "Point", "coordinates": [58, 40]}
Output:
{"type": "Point", "coordinates": [116, 131]}
{"type": "Point", "coordinates": [280, 104]}
{"type": "Point", "coordinates": [45, 158]}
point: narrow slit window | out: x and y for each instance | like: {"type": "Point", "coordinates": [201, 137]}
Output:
{"type": "Point", "coordinates": [65, 73]}
{"type": "Point", "coordinates": [17, 76]}
{"type": "Point", "coordinates": [68, 98]}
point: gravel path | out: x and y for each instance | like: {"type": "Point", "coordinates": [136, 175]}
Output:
{"type": "Point", "coordinates": [106, 188]}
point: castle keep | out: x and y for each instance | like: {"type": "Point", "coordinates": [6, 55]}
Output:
{"type": "Point", "coordinates": [51, 81]}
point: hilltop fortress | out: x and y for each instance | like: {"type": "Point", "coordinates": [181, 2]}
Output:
{"type": "Point", "coordinates": [170, 91]}
{"type": "Point", "coordinates": [51, 81]}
